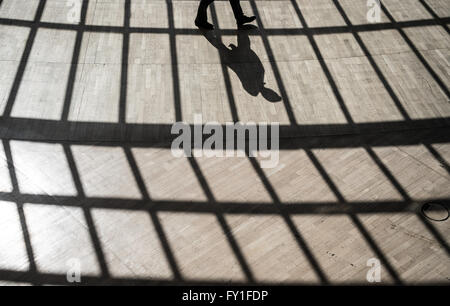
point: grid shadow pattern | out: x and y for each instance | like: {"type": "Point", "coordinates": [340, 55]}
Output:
{"type": "Point", "coordinates": [120, 134]}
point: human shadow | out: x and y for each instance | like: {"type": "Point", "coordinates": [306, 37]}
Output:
{"type": "Point", "coordinates": [244, 62]}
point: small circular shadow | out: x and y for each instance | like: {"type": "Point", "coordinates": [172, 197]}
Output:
{"type": "Point", "coordinates": [435, 211]}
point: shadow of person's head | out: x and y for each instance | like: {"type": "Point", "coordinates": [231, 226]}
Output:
{"type": "Point", "coordinates": [270, 95]}
{"type": "Point", "coordinates": [244, 62]}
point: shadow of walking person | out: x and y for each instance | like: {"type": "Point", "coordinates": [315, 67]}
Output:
{"type": "Point", "coordinates": [244, 62]}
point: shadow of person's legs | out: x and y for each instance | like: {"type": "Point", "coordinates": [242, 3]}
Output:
{"type": "Point", "coordinates": [244, 62]}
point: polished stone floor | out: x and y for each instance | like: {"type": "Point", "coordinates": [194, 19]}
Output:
{"type": "Point", "coordinates": [89, 91]}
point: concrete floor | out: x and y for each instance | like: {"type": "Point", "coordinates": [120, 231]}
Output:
{"type": "Point", "coordinates": [87, 102]}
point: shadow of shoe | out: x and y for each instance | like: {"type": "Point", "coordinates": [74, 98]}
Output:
{"type": "Point", "coordinates": [270, 95]}
{"type": "Point", "coordinates": [247, 27]}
